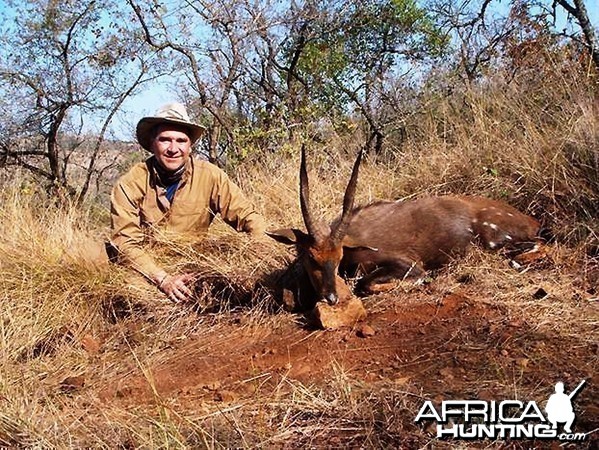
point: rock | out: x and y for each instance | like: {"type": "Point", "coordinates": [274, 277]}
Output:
{"type": "Point", "coordinates": [213, 386]}
{"type": "Point", "coordinates": [300, 370]}
{"type": "Point", "coordinates": [401, 381]}
{"type": "Point", "coordinates": [90, 345]}
{"type": "Point", "coordinates": [381, 288]}
{"type": "Point", "coordinates": [346, 313]}
{"type": "Point", "coordinates": [366, 331]}
{"type": "Point", "coordinates": [447, 373]}
{"type": "Point", "coordinates": [466, 278]}
{"type": "Point", "coordinates": [124, 392]}
{"type": "Point", "coordinates": [486, 395]}
{"type": "Point", "coordinates": [74, 383]}
{"type": "Point", "coordinates": [225, 396]}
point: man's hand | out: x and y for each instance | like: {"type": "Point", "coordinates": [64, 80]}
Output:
{"type": "Point", "coordinates": [175, 287]}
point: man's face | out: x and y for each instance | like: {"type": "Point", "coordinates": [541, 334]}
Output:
{"type": "Point", "coordinates": [171, 146]}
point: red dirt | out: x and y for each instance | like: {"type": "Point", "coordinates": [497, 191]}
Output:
{"type": "Point", "coordinates": [452, 348]}
{"type": "Point", "coordinates": [299, 353]}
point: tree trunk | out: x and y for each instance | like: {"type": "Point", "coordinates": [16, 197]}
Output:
{"type": "Point", "coordinates": [213, 135]}
{"type": "Point", "coordinates": [579, 11]}
{"type": "Point", "coordinates": [52, 146]}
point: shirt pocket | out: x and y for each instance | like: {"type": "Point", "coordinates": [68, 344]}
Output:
{"type": "Point", "coordinates": [188, 216]}
{"type": "Point", "coordinates": [149, 216]}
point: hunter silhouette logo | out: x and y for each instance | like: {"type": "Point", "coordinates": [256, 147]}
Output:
{"type": "Point", "coordinates": [505, 419]}
{"type": "Point", "coordinates": [559, 406]}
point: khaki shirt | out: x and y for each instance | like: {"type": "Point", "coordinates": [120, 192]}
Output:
{"type": "Point", "coordinates": [139, 208]}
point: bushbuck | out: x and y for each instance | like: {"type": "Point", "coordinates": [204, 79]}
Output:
{"type": "Point", "coordinates": [386, 240]}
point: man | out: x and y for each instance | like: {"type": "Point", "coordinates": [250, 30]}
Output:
{"type": "Point", "coordinates": [559, 408]}
{"type": "Point", "coordinates": [172, 192]}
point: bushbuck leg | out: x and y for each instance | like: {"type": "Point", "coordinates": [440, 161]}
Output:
{"type": "Point", "coordinates": [375, 276]}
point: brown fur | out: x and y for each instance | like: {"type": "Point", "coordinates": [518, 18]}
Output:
{"type": "Point", "coordinates": [415, 236]}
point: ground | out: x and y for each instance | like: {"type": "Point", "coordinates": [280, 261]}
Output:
{"type": "Point", "coordinates": [434, 342]}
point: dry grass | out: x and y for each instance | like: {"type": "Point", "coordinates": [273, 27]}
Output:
{"type": "Point", "coordinates": [57, 301]}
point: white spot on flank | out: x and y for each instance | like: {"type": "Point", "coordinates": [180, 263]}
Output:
{"type": "Point", "coordinates": [486, 224]}
{"type": "Point", "coordinates": [508, 237]}
{"type": "Point", "coordinates": [474, 220]}
{"type": "Point", "coordinates": [493, 226]}
{"type": "Point", "coordinates": [510, 214]}
{"type": "Point", "coordinates": [492, 244]}
{"type": "Point", "coordinates": [470, 230]}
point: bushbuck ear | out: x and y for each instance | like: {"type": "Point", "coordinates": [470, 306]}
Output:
{"type": "Point", "coordinates": [289, 236]}
{"type": "Point", "coordinates": [348, 242]}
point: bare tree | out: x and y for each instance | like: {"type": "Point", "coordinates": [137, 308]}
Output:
{"type": "Point", "coordinates": [579, 11]}
{"type": "Point", "coordinates": [63, 69]}
{"type": "Point", "coordinates": [263, 69]}
{"type": "Point", "coordinates": [219, 49]}
{"type": "Point", "coordinates": [478, 35]}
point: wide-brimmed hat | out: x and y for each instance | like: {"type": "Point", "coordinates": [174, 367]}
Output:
{"type": "Point", "coordinates": [174, 113]}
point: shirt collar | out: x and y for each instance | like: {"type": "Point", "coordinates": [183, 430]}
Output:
{"type": "Point", "coordinates": [157, 180]}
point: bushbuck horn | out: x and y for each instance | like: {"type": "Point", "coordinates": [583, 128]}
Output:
{"type": "Point", "coordinates": [339, 231]}
{"type": "Point", "coordinates": [309, 221]}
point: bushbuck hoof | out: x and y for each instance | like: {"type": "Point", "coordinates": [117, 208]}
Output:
{"type": "Point", "coordinates": [537, 257]}
{"type": "Point", "coordinates": [364, 289]}
{"type": "Point", "coordinates": [345, 314]}
{"type": "Point", "coordinates": [380, 288]}
{"type": "Point", "coordinates": [289, 301]}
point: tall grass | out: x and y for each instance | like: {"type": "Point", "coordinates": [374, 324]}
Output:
{"type": "Point", "coordinates": [45, 299]}
{"type": "Point", "coordinates": [532, 140]}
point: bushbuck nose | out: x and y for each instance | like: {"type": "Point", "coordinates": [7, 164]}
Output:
{"type": "Point", "coordinates": [331, 298]}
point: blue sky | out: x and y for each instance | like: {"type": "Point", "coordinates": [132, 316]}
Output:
{"type": "Point", "coordinates": [146, 103]}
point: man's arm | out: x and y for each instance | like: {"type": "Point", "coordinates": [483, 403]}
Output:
{"type": "Point", "coordinates": [128, 238]}
{"type": "Point", "coordinates": [234, 207]}
{"type": "Point", "coordinates": [127, 234]}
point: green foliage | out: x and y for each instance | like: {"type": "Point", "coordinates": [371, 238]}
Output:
{"type": "Point", "coordinates": [362, 41]}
